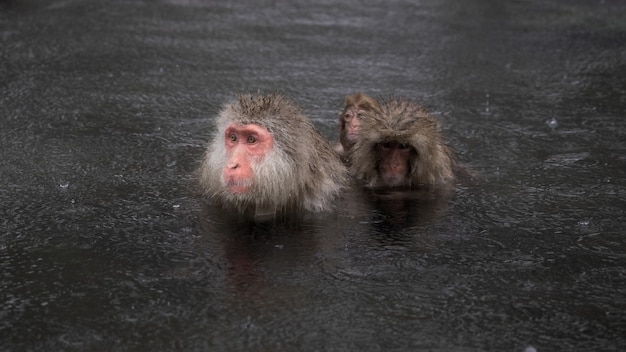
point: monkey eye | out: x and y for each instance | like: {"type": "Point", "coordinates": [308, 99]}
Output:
{"type": "Point", "coordinates": [251, 139]}
{"type": "Point", "coordinates": [232, 137]}
{"type": "Point", "coordinates": [394, 145]}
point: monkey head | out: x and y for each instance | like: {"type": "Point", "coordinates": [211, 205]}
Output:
{"type": "Point", "coordinates": [350, 118]}
{"type": "Point", "coordinates": [267, 157]}
{"type": "Point", "coordinates": [400, 145]}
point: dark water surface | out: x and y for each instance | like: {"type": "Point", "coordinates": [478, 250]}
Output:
{"type": "Point", "coordinates": [106, 108]}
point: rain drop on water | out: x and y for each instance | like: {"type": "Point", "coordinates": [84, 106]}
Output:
{"type": "Point", "coordinates": [487, 103]}
{"type": "Point", "coordinates": [552, 123]}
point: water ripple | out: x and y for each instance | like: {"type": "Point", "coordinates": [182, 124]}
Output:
{"type": "Point", "coordinates": [610, 244]}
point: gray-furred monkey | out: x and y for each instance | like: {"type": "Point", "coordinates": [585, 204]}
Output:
{"type": "Point", "coordinates": [267, 158]}
{"type": "Point", "coordinates": [401, 145]}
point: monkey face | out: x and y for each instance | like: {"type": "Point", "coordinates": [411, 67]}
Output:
{"type": "Point", "coordinates": [351, 123]}
{"type": "Point", "coordinates": [394, 163]}
{"type": "Point", "coordinates": [245, 145]}
{"type": "Point", "coordinates": [267, 158]}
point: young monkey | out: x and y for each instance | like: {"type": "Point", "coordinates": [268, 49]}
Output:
{"type": "Point", "coordinates": [350, 120]}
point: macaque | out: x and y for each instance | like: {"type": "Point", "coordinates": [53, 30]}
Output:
{"type": "Point", "coordinates": [401, 145]}
{"type": "Point", "coordinates": [350, 119]}
{"type": "Point", "coordinates": [268, 159]}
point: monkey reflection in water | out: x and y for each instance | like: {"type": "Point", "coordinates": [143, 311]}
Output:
{"type": "Point", "coordinates": [267, 160]}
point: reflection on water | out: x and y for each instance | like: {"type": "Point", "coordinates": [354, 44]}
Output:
{"type": "Point", "coordinates": [397, 209]}
{"type": "Point", "coordinates": [106, 109]}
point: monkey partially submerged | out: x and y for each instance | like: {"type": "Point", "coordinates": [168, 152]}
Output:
{"type": "Point", "coordinates": [354, 107]}
{"type": "Point", "coordinates": [401, 145]}
{"type": "Point", "coordinates": [267, 158]}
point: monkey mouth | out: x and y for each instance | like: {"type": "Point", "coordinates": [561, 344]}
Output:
{"type": "Point", "coordinates": [394, 179]}
{"type": "Point", "coordinates": [353, 135]}
{"type": "Point", "coordinates": [238, 186]}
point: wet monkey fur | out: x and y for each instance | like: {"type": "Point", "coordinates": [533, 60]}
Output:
{"type": "Point", "coordinates": [350, 119]}
{"type": "Point", "coordinates": [267, 158]}
{"type": "Point", "coordinates": [401, 145]}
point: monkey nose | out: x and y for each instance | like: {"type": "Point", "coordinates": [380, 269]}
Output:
{"type": "Point", "coordinates": [232, 165]}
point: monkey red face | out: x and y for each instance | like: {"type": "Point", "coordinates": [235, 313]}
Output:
{"type": "Point", "coordinates": [246, 146]}
{"type": "Point", "coordinates": [352, 122]}
{"type": "Point", "coordinates": [394, 163]}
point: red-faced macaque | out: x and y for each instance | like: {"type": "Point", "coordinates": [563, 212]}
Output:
{"type": "Point", "coordinates": [350, 119]}
{"type": "Point", "coordinates": [268, 159]}
{"type": "Point", "coordinates": [401, 145]}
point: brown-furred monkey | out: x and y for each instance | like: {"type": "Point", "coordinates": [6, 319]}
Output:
{"type": "Point", "coordinates": [401, 145]}
{"type": "Point", "coordinates": [267, 159]}
{"type": "Point", "coordinates": [354, 106]}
